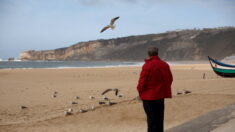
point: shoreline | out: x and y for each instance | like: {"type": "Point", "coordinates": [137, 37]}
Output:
{"type": "Point", "coordinates": [83, 64]}
{"type": "Point", "coordinates": [173, 66]}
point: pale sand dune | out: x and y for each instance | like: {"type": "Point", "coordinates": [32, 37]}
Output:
{"type": "Point", "coordinates": [34, 88]}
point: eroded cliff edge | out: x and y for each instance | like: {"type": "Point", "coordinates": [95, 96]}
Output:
{"type": "Point", "coordinates": [174, 45]}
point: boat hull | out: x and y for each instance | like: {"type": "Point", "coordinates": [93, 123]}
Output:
{"type": "Point", "coordinates": [228, 70]}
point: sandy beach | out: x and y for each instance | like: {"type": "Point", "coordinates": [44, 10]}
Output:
{"type": "Point", "coordinates": [34, 89]}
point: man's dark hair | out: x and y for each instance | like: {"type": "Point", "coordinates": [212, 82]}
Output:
{"type": "Point", "coordinates": [152, 51]}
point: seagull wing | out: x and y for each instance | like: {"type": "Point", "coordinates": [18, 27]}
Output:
{"type": "Point", "coordinates": [107, 90]}
{"type": "Point", "coordinates": [116, 91]}
{"type": "Point", "coordinates": [113, 20]}
{"type": "Point", "coordinates": [105, 28]}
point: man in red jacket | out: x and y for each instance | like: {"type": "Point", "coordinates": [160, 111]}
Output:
{"type": "Point", "coordinates": [154, 85]}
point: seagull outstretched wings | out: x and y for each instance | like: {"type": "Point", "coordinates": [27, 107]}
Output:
{"type": "Point", "coordinates": [108, 90]}
{"type": "Point", "coordinates": [111, 25]}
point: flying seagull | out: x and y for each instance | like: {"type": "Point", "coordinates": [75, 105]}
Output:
{"type": "Point", "coordinates": [111, 25]}
{"type": "Point", "coordinates": [108, 90]}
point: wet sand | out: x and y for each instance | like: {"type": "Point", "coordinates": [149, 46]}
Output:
{"type": "Point", "coordinates": [34, 88]}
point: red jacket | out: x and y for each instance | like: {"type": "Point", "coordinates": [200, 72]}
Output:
{"type": "Point", "coordinates": [155, 80]}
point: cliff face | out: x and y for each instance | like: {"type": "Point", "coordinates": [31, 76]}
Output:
{"type": "Point", "coordinates": [175, 45]}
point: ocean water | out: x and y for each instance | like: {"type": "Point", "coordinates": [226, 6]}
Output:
{"type": "Point", "coordinates": [64, 64]}
{"type": "Point", "coordinates": [17, 64]}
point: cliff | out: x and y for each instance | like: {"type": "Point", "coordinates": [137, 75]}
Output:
{"type": "Point", "coordinates": [174, 45]}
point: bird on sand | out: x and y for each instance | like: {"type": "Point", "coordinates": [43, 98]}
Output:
{"type": "Point", "coordinates": [73, 102]}
{"type": "Point", "coordinates": [108, 103]}
{"type": "Point", "coordinates": [111, 25]}
{"type": "Point", "coordinates": [76, 97]}
{"type": "Point", "coordinates": [93, 107]}
{"type": "Point", "coordinates": [187, 91]}
{"type": "Point", "coordinates": [101, 102]}
{"type": "Point", "coordinates": [70, 110]}
{"type": "Point", "coordinates": [66, 113]}
{"type": "Point", "coordinates": [105, 98]}
{"type": "Point", "coordinates": [108, 90]}
{"type": "Point", "coordinates": [82, 111]}
{"type": "Point", "coordinates": [120, 95]}
{"type": "Point", "coordinates": [179, 93]}
{"type": "Point", "coordinates": [23, 107]}
{"type": "Point", "coordinates": [91, 97]}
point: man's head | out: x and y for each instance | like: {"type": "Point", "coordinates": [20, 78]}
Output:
{"type": "Point", "coordinates": [152, 51]}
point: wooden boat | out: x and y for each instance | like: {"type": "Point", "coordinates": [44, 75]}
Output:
{"type": "Point", "coordinates": [222, 69]}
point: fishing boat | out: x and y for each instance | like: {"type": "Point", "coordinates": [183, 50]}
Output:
{"type": "Point", "coordinates": [222, 69]}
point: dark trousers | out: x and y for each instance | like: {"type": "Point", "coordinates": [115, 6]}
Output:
{"type": "Point", "coordinates": [154, 110]}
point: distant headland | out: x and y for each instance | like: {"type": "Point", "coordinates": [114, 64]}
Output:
{"type": "Point", "coordinates": [178, 45]}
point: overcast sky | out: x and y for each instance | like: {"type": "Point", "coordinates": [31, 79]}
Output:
{"type": "Point", "coordinates": [50, 24]}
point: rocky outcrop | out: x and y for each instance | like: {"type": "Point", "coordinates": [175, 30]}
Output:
{"type": "Point", "coordinates": [175, 45]}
